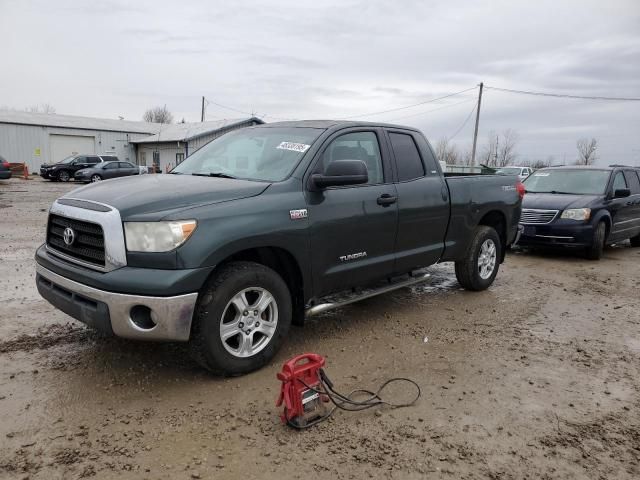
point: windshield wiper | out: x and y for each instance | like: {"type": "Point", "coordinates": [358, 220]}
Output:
{"type": "Point", "coordinates": [214, 174]}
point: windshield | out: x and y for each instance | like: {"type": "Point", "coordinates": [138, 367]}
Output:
{"type": "Point", "coordinates": [259, 153]}
{"type": "Point", "coordinates": [509, 171]}
{"type": "Point", "coordinates": [575, 182]}
{"type": "Point", "coordinates": [68, 159]}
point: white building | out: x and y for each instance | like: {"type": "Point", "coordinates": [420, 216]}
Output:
{"type": "Point", "coordinates": [173, 143]}
{"type": "Point", "coordinates": [37, 138]}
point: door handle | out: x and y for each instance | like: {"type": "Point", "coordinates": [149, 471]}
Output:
{"type": "Point", "coordinates": [386, 199]}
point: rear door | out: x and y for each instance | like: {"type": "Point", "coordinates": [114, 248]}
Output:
{"type": "Point", "coordinates": [620, 208]}
{"type": "Point", "coordinates": [126, 169]}
{"type": "Point", "coordinates": [353, 228]}
{"type": "Point", "coordinates": [423, 202]}
{"type": "Point", "coordinates": [633, 203]}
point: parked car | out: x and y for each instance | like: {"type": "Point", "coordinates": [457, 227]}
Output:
{"type": "Point", "coordinates": [5, 169]}
{"type": "Point", "coordinates": [254, 230]}
{"type": "Point", "coordinates": [522, 172]}
{"type": "Point", "coordinates": [105, 171]}
{"type": "Point", "coordinates": [582, 207]}
{"type": "Point", "coordinates": [65, 169]}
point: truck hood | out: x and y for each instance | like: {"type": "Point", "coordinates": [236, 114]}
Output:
{"type": "Point", "coordinates": [141, 195]}
{"type": "Point", "coordinates": [556, 201]}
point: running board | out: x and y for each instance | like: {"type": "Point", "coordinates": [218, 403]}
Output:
{"type": "Point", "coordinates": [368, 293]}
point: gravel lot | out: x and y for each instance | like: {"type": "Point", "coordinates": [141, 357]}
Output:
{"type": "Point", "coordinates": [537, 377]}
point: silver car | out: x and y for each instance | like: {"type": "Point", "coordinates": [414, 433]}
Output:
{"type": "Point", "coordinates": [105, 171]}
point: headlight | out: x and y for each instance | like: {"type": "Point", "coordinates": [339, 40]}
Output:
{"type": "Point", "coordinates": [577, 214]}
{"type": "Point", "coordinates": [157, 236]}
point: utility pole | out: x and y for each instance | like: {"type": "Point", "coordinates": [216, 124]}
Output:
{"type": "Point", "coordinates": [475, 133]}
{"type": "Point", "coordinates": [202, 114]}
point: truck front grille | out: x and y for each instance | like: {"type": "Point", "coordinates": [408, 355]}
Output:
{"type": "Point", "coordinates": [88, 239]}
{"type": "Point", "coordinates": [532, 216]}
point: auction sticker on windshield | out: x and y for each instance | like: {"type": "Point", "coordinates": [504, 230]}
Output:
{"type": "Point", "coordinates": [295, 147]}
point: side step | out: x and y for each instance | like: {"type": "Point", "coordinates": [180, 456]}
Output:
{"type": "Point", "coordinates": [368, 293]}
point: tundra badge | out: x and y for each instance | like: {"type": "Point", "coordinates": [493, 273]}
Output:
{"type": "Point", "coordinates": [298, 214]}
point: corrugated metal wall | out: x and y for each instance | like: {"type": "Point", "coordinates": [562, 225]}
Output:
{"type": "Point", "coordinates": [22, 143]}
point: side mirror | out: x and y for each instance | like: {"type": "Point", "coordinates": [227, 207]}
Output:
{"type": "Point", "coordinates": [340, 173]}
{"type": "Point", "coordinates": [622, 193]}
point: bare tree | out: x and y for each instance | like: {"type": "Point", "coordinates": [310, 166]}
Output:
{"type": "Point", "coordinates": [447, 152]}
{"type": "Point", "coordinates": [158, 115]}
{"type": "Point", "coordinates": [489, 153]}
{"type": "Point", "coordinates": [506, 149]}
{"type": "Point", "coordinates": [42, 108]}
{"type": "Point", "coordinates": [587, 154]}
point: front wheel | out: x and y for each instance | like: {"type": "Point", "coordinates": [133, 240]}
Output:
{"type": "Point", "coordinates": [596, 249]}
{"type": "Point", "coordinates": [242, 317]}
{"type": "Point", "coordinates": [480, 265]}
{"type": "Point", "coordinates": [95, 178]}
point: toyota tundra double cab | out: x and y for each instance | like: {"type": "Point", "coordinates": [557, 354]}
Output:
{"type": "Point", "coordinates": [256, 230]}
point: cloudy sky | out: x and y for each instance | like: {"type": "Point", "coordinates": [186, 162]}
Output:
{"type": "Point", "coordinates": [333, 59]}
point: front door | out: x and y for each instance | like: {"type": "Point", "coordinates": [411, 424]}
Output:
{"type": "Point", "coordinates": [354, 227]}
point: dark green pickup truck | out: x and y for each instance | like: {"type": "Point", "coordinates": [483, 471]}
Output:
{"type": "Point", "coordinates": [254, 231]}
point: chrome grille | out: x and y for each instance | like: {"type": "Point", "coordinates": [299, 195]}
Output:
{"type": "Point", "coordinates": [532, 216]}
{"type": "Point", "coordinates": [88, 245]}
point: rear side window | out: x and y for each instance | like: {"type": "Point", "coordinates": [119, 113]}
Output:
{"type": "Point", "coordinates": [93, 160]}
{"type": "Point", "coordinates": [408, 159]}
{"type": "Point", "coordinates": [111, 165]}
{"type": "Point", "coordinates": [108, 158]}
{"type": "Point", "coordinates": [632, 180]}
{"type": "Point", "coordinates": [125, 165]}
{"type": "Point", "coordinates": [619, 182]}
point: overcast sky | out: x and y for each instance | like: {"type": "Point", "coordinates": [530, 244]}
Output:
{"type": "Point", "coordinates": [332, 59]}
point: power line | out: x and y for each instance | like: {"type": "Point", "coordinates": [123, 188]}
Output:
{"type": "Point", "coordinates": [407, 106]}
{"type": "Point", "coordinates": [464, 123]}
{"type": "Point", "coordinates": [432, 110]}
{"type": "Point", "coordinates": [562, 95]}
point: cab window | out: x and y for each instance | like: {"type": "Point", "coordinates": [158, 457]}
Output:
{"type": "Point", "coordinates": [408, 159]}
{"type": "Point", "coordinates": [619, 182]}
{"type": "Point", "coordinates": [633, 182]}
{"type": "Point", "coordinates": [356, 146]}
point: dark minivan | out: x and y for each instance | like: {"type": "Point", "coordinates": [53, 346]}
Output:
{"type": "Point", "coordinates": [582, 207]}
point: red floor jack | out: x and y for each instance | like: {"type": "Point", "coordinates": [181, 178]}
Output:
{"type": "Point", "coordinates": [306, 391]}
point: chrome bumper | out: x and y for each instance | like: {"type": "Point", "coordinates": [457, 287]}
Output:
{"type": "Point", "coordinates": [171, 316]}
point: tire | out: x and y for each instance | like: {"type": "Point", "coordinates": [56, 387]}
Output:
{"type": "Point", "coordinates": [249, 345]}
{"type": "Point", "coordinates": [635, 241]}
{"type": "Point", "coordinates": [480, 265]}
{"type": "Point", "coordinates": [595, 250]}
{"type": "Point", "coordinates": [96, 178]}
{"type": "Point", "coordinates": [64, 176]}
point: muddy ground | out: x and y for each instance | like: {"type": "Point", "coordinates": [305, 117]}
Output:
{"type": "Point", "coordinates": [538, 377]}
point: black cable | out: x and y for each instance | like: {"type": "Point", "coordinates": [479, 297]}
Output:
{"type": "Point", "coordinates": [562, 95]}
{"type": "Point", "coordinates": [408, 106]}
{"type": "Point", "coordinates": [349, 404]}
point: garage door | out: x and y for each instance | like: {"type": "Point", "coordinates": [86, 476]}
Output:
{"type": "Point", "coordinates": [63, 146]}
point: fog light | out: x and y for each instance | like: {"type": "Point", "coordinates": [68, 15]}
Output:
{"type": "Point", "coordinates": [142, 317]}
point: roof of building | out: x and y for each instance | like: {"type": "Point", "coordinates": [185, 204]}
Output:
{"type": "Point", "coordinates": [181, 132]}
{"type": "Point", "coordinates": [76, 122]}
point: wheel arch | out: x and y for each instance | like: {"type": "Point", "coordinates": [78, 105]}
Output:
{"type": "Point", "coordinates": [282, 262]}
{"type": "Point", "coordinates": [498, 221]}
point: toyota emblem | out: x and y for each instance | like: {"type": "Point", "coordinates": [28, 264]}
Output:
{"type": "Point", "coordinates": [69, 236]}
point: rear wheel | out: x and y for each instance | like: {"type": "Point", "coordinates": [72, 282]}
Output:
{"type": "Point", "coordinates": [595, 250]}
{"type": "Point", "coordinates": [480, 265]}
{"type": "Point", "coordinates": [64, 176]}
{"type": "Point", "coordinates": [242, 317]}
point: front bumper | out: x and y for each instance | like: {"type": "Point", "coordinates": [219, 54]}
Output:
{"type": "Point", "coordinates": [557, 234]}
{"type": "Point", "coordinates": [111, 312]}
{"type": "Point", "coordinates": [5, 175]}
